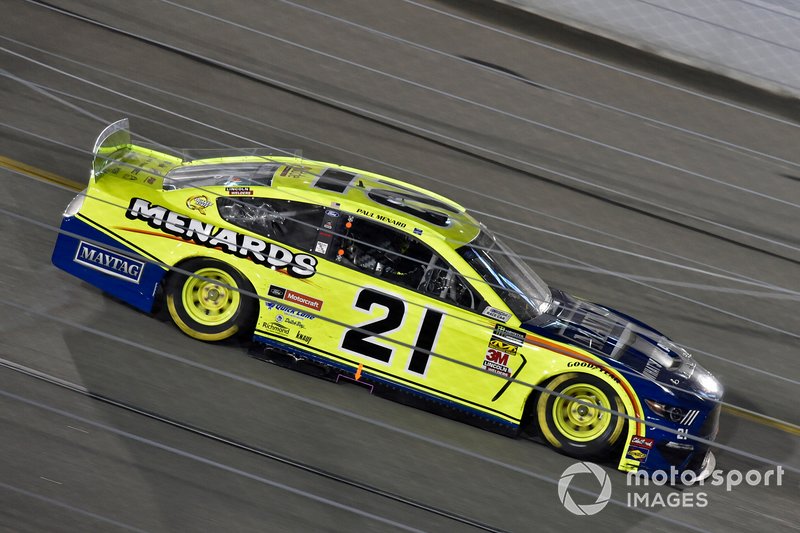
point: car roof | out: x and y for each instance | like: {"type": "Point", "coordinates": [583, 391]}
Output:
{"type": "Point", "coordinates": [403, 206]}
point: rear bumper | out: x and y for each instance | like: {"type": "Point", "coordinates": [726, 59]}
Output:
{"type": "Point", "coordinates": [107, 263]}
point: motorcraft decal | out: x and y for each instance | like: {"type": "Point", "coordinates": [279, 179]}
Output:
{"type": "Point", "coordinates": [227, 240]}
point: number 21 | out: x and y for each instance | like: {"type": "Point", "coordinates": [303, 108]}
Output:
{"type": "Point", "coordinates": [357, 340]}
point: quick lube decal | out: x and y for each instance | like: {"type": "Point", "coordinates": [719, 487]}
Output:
{"type": "Point", "coordinates": [229, 241]}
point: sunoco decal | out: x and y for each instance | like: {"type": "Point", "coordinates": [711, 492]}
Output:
{"type": "Point", "coordinates": [109, 262]}
{"type": "Point", "coordinates": [229, 241]}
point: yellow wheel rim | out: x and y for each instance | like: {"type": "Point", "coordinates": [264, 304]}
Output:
{"type": "Point", "coordinates": [582, 422]}
{"type": "Point", "coordinates": [210, 301]}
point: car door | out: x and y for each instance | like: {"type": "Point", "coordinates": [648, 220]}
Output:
{"type": "Point", "coordinates": [406, 316]}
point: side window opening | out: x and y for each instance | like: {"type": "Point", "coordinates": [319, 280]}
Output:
{"type": "Point", "coordinates": [383, 252]}
{"type": "Point", "coordinates": [287, 221]}
{"type": "Point", "coordinates": [443, 282]}
{"type": "Point", "coordinates": [399, 258]}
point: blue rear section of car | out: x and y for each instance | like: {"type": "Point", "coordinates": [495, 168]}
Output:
{"type": "Point", "coordinates": [107, 263]}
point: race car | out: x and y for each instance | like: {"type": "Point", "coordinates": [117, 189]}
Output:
{"type": "Point", "coordinates": [352, 275]}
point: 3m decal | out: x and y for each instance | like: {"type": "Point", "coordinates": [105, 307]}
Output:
{"type": "Point", "coordinates": [496, 362]}
{"type": "Point", "coordinates": [108, 262]}
{"type": "Point", "coordinates": [227, 240]}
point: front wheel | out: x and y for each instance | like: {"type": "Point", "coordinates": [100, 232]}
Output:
{"type": "Point", "coordinates": [208, 305]}
{"type": "Point", "coordinates": [580, 429]}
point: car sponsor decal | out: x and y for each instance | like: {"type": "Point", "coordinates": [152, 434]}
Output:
{"type": "Point", "coordinates": [295, 297]}
{"type": "Point", "coordinates": [586, 364]}
{"type": "Point", "coordinates": [639, 448]}
{"type": "Point", "coordinates": [226, 240]}
{"type": "Point", "coordinates": [512, 336]}
{"type": "Point", "coordinates": [503, 346]}
{"type": "Point", "coordinates": [496, 314]}
{"type": "Point", "coordinates": [636, 454]}
{"type": "Point", "coordinates": [299, 315]}
{"type": "Point", "coordinates": [239, 191]}
{"type": "Point", "coordinates": [497, 362]}
{"type": "Point", "coordinates": [642, 442]}
{"type": "Point", "coordinates": [111, 263]}
{"type": "Point", "coordinates": [276, 328]}
{"type": "Point", "coordinates": [199, 203]}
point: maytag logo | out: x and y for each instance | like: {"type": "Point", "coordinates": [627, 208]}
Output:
{"type": "Point", "coordinates": [109, 262]}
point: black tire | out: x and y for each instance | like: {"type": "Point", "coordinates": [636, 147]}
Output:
{"type": "Point", "coordinates": [576, 429]}
{"type": "Point", "coordinates": [210, 306]}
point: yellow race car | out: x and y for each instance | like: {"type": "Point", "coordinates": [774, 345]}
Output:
{"type": "Point", "coordinates": [357, 276]}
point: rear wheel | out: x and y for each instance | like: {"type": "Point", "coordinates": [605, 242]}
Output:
{"type": "Point", "coordinates": [208, 305]}
{"type": "Point", "coordinates": [581, 429]}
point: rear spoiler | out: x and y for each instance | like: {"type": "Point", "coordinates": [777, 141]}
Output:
{"type": "Point", "coordinates": [111, 145]}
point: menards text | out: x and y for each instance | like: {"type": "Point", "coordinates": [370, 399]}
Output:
{"type": "Point", "coordinates": [229, 241]}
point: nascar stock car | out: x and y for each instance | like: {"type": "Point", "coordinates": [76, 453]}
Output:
{"type": "Point", "coordinates": [351, 274]}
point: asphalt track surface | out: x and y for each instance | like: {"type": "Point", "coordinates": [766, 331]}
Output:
{"type": "Point", "coordinates": [681, 210]}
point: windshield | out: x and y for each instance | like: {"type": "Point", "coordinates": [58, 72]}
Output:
{"type": "Point", "coordinates": [511, 278]}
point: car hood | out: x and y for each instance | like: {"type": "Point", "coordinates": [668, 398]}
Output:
{"type": "Point", "coordinates": [624, 340]}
